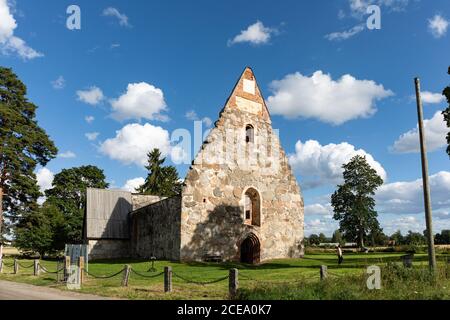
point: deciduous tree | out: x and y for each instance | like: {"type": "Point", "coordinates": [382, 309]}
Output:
{"type": "Point", "coordinates": [446, 113]}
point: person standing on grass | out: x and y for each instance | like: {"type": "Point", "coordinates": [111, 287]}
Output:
{"type": "Point", "coordinates": [339, 253]}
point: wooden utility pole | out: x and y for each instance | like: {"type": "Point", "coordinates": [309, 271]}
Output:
{"type": "Point", "coordinates": [426, 186]}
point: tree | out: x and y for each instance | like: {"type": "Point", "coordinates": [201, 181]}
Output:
{"type": "Point", "coordinates": [377, 237]}
{"type": "Point", "coordinates": [446, 113]}
{"type": "Point", "coordinates": [398, 238]}
{"type": "Point", "coordinates": [322, 238]}
{"type": "Point", "coordinates": [415, 238]}
{"type": "Point", "coordinates": [161, 180]}
{"type": "Point", "coordinates": [337, 237]}
{"type": "Point", "coordinates": [23, 146]}
{"type": "Point", "coordinates": [314, 239]}
{"type": "Point", "coordinates": [68, 194]}
{"type": "Point", "coordinates": [443, 237]}
{"type": "Point", "coordinates": [41, 231]}
{"type": "Point", "coordinates": [353, 202]}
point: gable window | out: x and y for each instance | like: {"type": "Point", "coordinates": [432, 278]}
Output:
{"type": "Point", "coordinates": [249, 134]}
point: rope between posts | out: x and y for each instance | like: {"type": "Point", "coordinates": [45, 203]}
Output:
{"type": "Point", "coordinates": [104, 277]}
{"type": "Point", "coordinates": [199, 282]}
{"type": "Point", "coordinates": [146, 275]}
{"type": "Point", "coordinates": [25, 267]}
{"type": "Point", "coordinates": [8, 265]}
{"type": "Point", "coordinates": [47, 271]}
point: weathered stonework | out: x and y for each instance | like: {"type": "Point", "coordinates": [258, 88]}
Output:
{"type": "Point", "coordinates": [212, 217]}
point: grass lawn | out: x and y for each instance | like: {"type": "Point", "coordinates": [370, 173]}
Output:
{"type": "Point", "coordinates": [255, 281]}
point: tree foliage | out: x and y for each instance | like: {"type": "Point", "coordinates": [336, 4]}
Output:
{"type": "Point", "coordinates": [68, 195]}
{"type": "Point", "coordinates": [443, 237]}
{"type": "Point", "coordinates": [23, 146]}
{"type": "Point", "coordinates": [161, 180]}
{"type": "Point", "coordinates": [353, 202]}
{"type": "Point", "coordinates": [446, 113]}
{"type": "Point", "coordinates": [337, 237]}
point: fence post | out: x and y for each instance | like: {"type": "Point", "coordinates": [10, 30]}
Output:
{"type": "Point", "coordinates": [126, 276]}
{"type": "Point", "coordinates": [323, 272]}
{"type": "Point", "coordinates": [233, 282]}
{"type": "Point", "coordinates": [16, 266]}
{"type": "Point", "coordinates": [66, 267]}
{"type": "Point", "coordinates": [1, 264]}
{"type": "Point", "coordinates": [36, 267]}
{"type": "Point", "coordinates": [81, 269]}
{"type": "Point", "coordinates": [167, 279]}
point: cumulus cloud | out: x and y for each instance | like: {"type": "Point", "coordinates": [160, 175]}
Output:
{"type": "Point", "coordinates": [431, 98]}
{"type": "Point", "coordinates": [132, 184]}
{"type": "Point", "coordinates": [132, 143]}
{"type": "Point", "coordinates": [438, 26]}
{"type": "Point", "coordinates": [89, 119]}
{"type": "Point", "coordinates": [192, 115]}
{"type": "Point", "coordinates": [407, 197]}
{"type": "Point", "coordinates": [91, 136]}
{"type": "Point", "coordinates": [319, 209]}
{"type": "Point", "coordinates": [67, 155]}
{"type": "Point", "coordinates": [435, 133]}
{"type": "Point", "coordinates": [140, 101]}
{"type": "Point", "coordinates": [320, 165]}
{"type": "Point", "coordinates": [358, 8]}
{"type": "Point", "coordinates": [256, 34]}
{"type": "Point", "coordinates": [113, 12]}
{"type": "Point", "coordinates": [320, 97]}
{"type": "Point", "coordinates": [344, 35]}
{"type": "Point", "coordinates": [44, 179]}
{"type": "Point", "coordinates": [92, 96]}
{"type": "Point", "coordinates": [59, 83]}
{"type": "Point", "coordinates": [10, 44]}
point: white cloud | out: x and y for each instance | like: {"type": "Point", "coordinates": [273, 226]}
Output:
{"type": "Point", "coordinates": [431, 98]}
{"type": "Point", "coordinates": [325, 99]}
{"type": "Point", "coordinates": [91, 136]}
{"type": "Point", "coordinates": [89, 119]}
{"type": "Point", "coordinates": [407, 197]}
{"type": "Point", "coordinates": [59, 83]}
{"type": "Point", "coordinates": [132, 143]}
{"type": "Point", "coordinates": [113, 12]}
{"type": "Point", "coordinates": [44, 179]}
{"type": "Point", "coordinates": [344, 35]}
{"type": "Point", "coordinates": [132, 184]}
{"type": "Point", "coordinates": [92, 96]}
{"type": "Point", "coordinates": [435, 135]}
{"type": "Point", "coordinates": [256, 34]}
{"type": "Point", "coordinates": [140, 101]}
{"type": "Point", "coordinates": [192, 115]}
{"type": "Point", "coordinates": [359, 7]}
{"type": "Point", "coordinates": [319, 209]}
{"type": "Point", "coordinates": [438, 26]}
{"type": "Point", "coordinates": [10, 44]}
{"type": "Point", "coordinates": [320, 165]}
{"type": "Point", "coordinates": [67, 155]}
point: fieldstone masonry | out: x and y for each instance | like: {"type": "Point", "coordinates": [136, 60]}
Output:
{"type": "Point", "coordinates": [240, 200]}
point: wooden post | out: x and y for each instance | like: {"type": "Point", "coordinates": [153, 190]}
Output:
{"type": "Point", "coordinates": [81, 269]}
{"type": "Point", "coordinates": [323, 272]}
{"type": "Point", "coordinates": [426, 186]}
{"type": "Point", "coordinates": [126, 276]}
{"type": "Point", "coordinates": [66, 267]}
{"type": "Point", "coordinates": [36, 267]}
{"type": "Point", "coordinates": [16, 266]}
{"type": "Point", "coordinates": [1, 263]}
{"type": "Point", "coordinates": [167, 279]}
{"type": "Point", "coordinates": [233, 282]}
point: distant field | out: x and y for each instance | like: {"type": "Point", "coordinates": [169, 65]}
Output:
{"type": "Point", "coordinates": [10, 251]}
{"type": "Point", "coordinates": [271, 274]}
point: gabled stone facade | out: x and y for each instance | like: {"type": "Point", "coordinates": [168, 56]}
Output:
{"type": "Point", "coordinates": [242, 154]}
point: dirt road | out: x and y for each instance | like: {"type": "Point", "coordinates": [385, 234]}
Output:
{"type": "Point", "coordinates": [20, 291]}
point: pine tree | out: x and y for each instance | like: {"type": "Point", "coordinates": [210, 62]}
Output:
{"type": "Point", "coordinates": [161, 180]}
{"type": "Point", "coordinates": [23, 146]}
{"type": "Point", "coordinates": [446, 113]}
{"type": "Point", "coordinates": [353, 202]}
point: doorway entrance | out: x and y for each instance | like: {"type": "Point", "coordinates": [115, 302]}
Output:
{"type": "Point", "coordinates": [250, 250]}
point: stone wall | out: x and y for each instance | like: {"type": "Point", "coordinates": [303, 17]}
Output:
{"type": "Point", "coordinates": [212, 218]}
{"type": "Point", "coordinates": [156, 230]}
{"type": "Point", "coordinates": [108, 249]}
{"type": "Point", "coordinates": [141, 200]}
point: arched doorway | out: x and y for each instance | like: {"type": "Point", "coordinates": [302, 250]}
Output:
{"type": "Point", "coordinates": [250, 249]}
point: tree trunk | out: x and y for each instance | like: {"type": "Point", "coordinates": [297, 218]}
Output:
{"type": "Point", "coordinates": [1, 215]}
{"type": "Point", "coordinates": [361, 238]}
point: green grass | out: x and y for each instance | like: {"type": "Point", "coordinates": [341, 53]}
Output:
{"type": "Point", "coordinates": [276, 279]}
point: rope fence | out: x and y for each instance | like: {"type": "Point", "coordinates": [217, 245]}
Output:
{"type": "Point", "coordinates": [146, 275]}
{"type": "Point", "coordinates": [199, 282]}
{"type": "Point", "coordinates": [102, 276]}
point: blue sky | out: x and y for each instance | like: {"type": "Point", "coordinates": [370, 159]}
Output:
{"type": "Point", "coordinates": [136, 71]}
